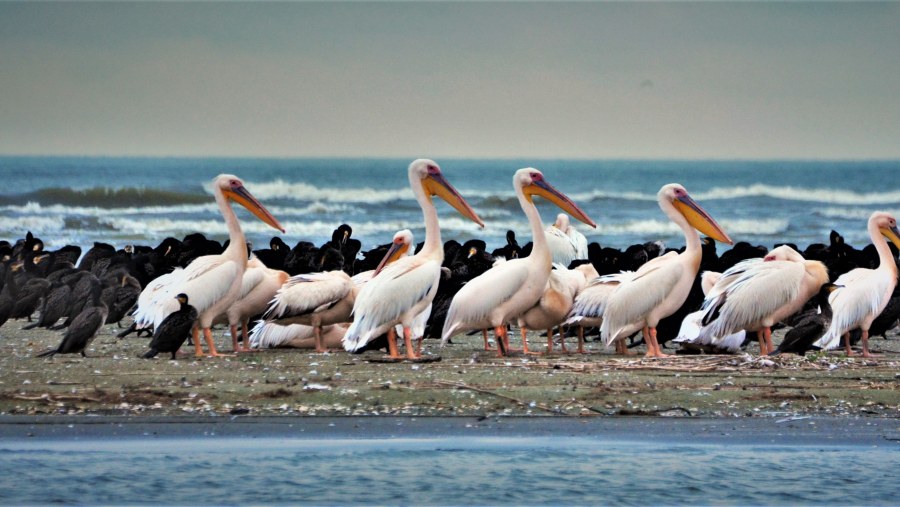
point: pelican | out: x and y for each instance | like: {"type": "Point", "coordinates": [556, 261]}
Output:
{"type": "Point", "coordinates": [689, 331]}
{"type": "Point", "coordinates": [258, 287]}
{"type": "Point", "coordinates": [322, 299]}
{"type": "Point", "coordinates": [211, 282]}
{"type": "Point", "coordinates": [661, 285]}
{"type": "Point", "coordinates": [504, 292]}
{"type": "Point", "coordinates": [754, 295]}
{"type": "Point", "coordinates": [556, 302]}
{"type": "Point", "coordinates": [401, 291]}
{"type": "Point", "coordinates": [587, 308]}
{"type": "Point", "coordinates": [270, 335]}
{"type": "Point", "coordinates": [565, 242]}
{"type": "Point", "coordinates": [863, 293]}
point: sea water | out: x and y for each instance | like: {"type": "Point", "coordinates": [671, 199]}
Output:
{"type": "Point", "coordinates": [454, 470]}
{"type": "Point", "coordinates": [79, 200]}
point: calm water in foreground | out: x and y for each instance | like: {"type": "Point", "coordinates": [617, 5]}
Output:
{"type": "Point", "coordinates": [454, 470]}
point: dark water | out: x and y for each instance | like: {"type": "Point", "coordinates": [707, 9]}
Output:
{"type": "Point", "coordinates": [456, 470]}
{"type": "Point", "coordinates": [142, 200]}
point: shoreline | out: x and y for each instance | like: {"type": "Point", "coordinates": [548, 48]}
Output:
{"type": "Point", "coordinates": [804, 431]}
{"type": "Point", "coordinates": [466, 381]}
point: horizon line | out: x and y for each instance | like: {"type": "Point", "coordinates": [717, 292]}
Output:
{"type": "Point", "coordinates": [486, 158]}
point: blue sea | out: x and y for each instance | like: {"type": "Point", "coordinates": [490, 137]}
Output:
{"type": "Point", "coordinates": [438, 470]}
{"type": "Point", "coordinates": [78, 200]}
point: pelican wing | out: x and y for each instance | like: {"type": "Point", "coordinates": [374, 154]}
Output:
{"type": "Point", "coordinates": [384, 299]}
{"type": "Point", "coordinates": [476, 300]}
{"type": "Point", "coordinates": [750, 297]}
{"type": "Point", "coordinates": [253, 276]}
{"type": "Point", "coordinates": [689, 332]}
{"type": "Point", "coordinates": [632, 301]}
{"type": "Point", "coordinates": [579, 242]}
{"type": "Point", "coordinates": [591, 301]}
{"type": "Point", "coordinates": [305, 293]}
{"type": "Point", "coordinates": [152, 295]}
{"type": "Point", "coordinates": [561, 248]}
{"type": "Point", "coordinates": [268, 335]}
{"type": "Point", "coordinates": [205, 281]}
{"type": "Point", "coordinates": [861, 296]}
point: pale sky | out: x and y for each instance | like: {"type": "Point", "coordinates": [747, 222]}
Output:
{"type": "Point", "coordinates": [549, 80]}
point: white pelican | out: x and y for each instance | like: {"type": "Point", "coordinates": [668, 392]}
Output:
{"type": "Point", "coordinates": [660, 286]}
{"type": "Point", "coordinates": [689, 332]}
{"type": "Point", "coordinates": [213, 282]}
{"type": "Point", "coordinates": [322, 299]}
{"type": "Point", "coordinates": [269, 335]}
{"type": "Point", "coordinates": [863, 293]}
{"type": "Point", "coordinates": [556, 302]}
{"type": "Point", "coordinates": [565, 242]}
{"type": "Point", "coordinates": [756, 294]}
{"type": "Point", "coordinates": [404, 289]}
{"type": "Point", "coordinates": [590, 303]}
{"type": "Point", "coordinates": [507, 290]}
{"type": "Point", "coordinates": [258, 287]}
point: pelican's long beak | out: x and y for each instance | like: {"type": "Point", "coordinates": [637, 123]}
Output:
{"type": "Point", "coordinates": [700, 219]}
{"type": "Point", "coordinates": [397, 250]}
{"type": "Point", "coordinates": [243, 197]}
{"type": "Point", "coordinates": [436, 184]}
{"type": "Point", "coordinates": [546, 190]}
{"type": "Point", "coordinates": [892, 234]}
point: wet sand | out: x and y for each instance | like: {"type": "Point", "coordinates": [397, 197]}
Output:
{"type": "Point", "coordinates": [466, 382]}
{"type": "Point", "coordinates": [753, 431]}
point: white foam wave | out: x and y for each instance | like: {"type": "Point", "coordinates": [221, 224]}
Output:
{"type": "Point", "coordinates": [860, 214]}
{"type": "Point", "coordinates": [93, 211]}
{"type": "Point", "coordinates": [825, 195]}
{"type": "Point", "coordinates": [280, 189]}
{"type": "Point", "coordinates": [735, 227]}
{"type": "Point", "coordinates": [33, 223]}
{"type": "Point", "coordinates": [33, 208]}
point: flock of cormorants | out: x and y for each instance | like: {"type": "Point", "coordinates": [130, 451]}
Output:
{"type": "Point", "coordinates": [65, 290]}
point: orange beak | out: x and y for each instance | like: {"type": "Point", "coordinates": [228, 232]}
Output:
{"type": "Point", "coordinates": [546, 190]}
{"type": "Point", "coordinates": [700, 219]}
{"type": "Point", "coordinates": [243, 197]}
{"type": "Point", "coordinates": [436, 184]}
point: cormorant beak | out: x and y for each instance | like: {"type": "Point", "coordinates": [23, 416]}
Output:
{"type": "Point", "coordinates": [472, 251]}
{"type": "Point", "coordinates": [436, 184]}
{"type": "Point", "coordinates": [243, 197]}
{"type": "Point", "coordinates": [700, 219]}
{"type": "Point", "coordinates": [892, 234]}
{"type": "Point", "coordinates": [398, 249]}
{"type": "Point", "coordinates": [344, 240]}
{"type": "Point", "coordinates": [542, 188]}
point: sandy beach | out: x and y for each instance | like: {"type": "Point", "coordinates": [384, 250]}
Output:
{"type": "Point", "coordinates": [465, 381]}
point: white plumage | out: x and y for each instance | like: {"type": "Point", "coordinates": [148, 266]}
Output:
{"type": "Point", "coordinates": [504, 292]}
{"type": "Point", "coordinates": [404, 289]}
{"type": "Point", "coordinates": [863, 293]}
{"type": "Point", "coordinates": [565, 242]}
{"type": "Point", "coordinates": [212, 282]}
{"type": "Point", "coordinates": [661, 285]}
{"type": "Point", "coordinates": [321, 299]}
{"type": "Point", "coordinates": [556, 302]}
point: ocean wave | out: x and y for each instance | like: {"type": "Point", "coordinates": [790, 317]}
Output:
{"type": "Point", "coordinates": [824, 195]}
{"type": "Point", "coordinates": [20, 225]}
{"type": "Point", "coordinates": [280, 189]}
{"type": "Point", "coordinates": [734, 227]}
{"type": "Point", "coordinates": [860, 214]}
{"type": "Point", "coordinates": [34, 208]}
{"type": "Point", "coordinates": [105, 197]}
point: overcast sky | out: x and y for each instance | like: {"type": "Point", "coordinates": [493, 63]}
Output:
{"type": "Point", "coordinates": [548, 80]}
